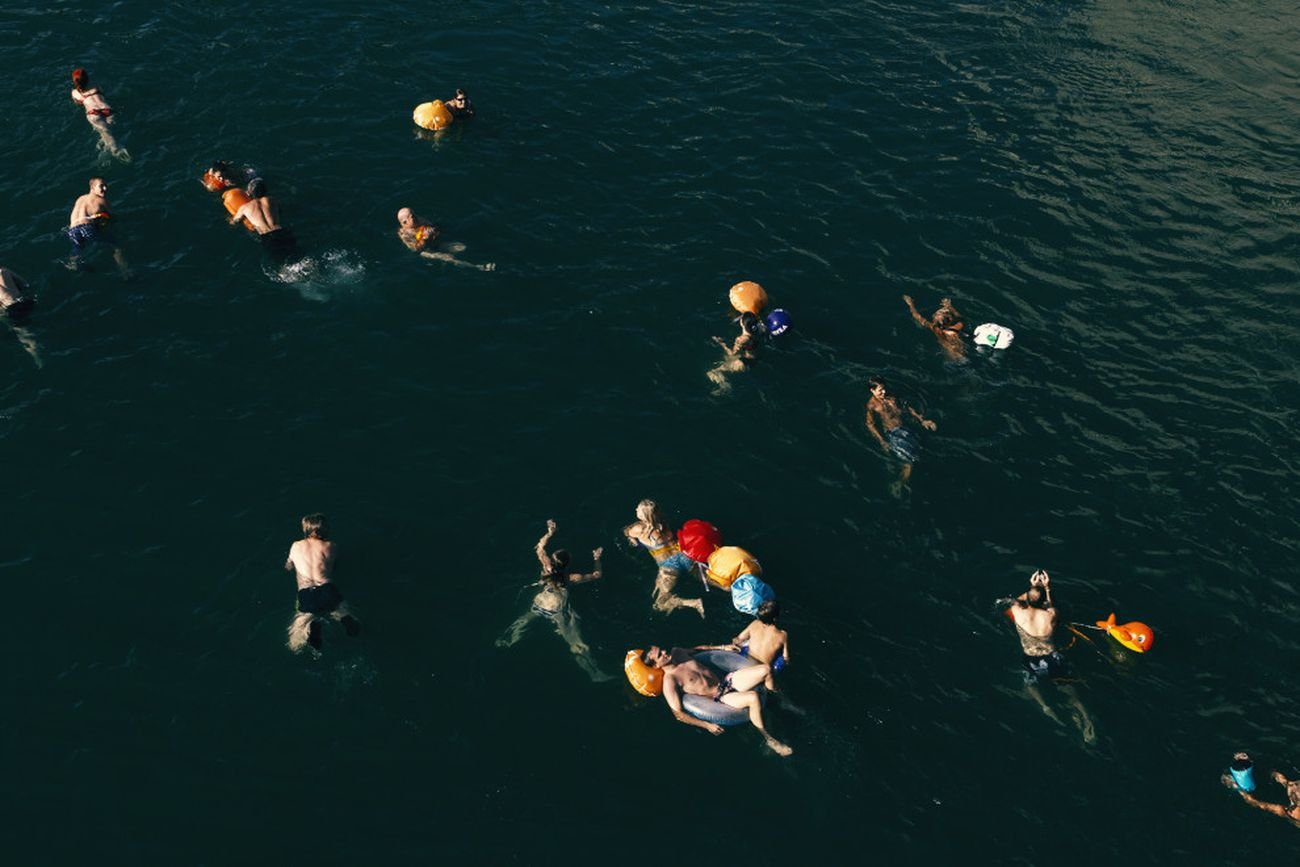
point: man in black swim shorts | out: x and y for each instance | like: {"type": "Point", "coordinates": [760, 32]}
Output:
{"type": "Point", "coordinates": [312, 560]}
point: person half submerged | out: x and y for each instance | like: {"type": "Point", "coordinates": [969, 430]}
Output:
{"type": "Point", "coordinates": [419, 235]}
{"type": "Point", "coordinates": [99, 114]}
{"type": "Point", "coordinates": [552, 603]}
{"type": "Point", "coordinates": [263, 214]}
{"type": "Point", "coordinates": [741, 354]}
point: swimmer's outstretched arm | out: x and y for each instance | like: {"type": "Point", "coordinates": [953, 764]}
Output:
{"type": "Point", "coordinates": [916, 314]}
{"type": "Point", "coordinates": [925, 422]}
{"type": "Point", "coordinates": [674, 699]}
{"type": "Point", "coordinates": [875, 432]}
{"type": "Point", "coordinates": [542, 556]}
{"type": "Point", "coordinates": [579, 578]}
{"type": "Point", "coordinates": [1275, 809]}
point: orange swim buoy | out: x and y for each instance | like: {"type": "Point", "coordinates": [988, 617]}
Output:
{"type": "Point", "coordinates": [1136, 636]}
{"type": "Point", "coordinates": [748, 297]}
{"type": "Point", "coordinates": [234, 199]}
{"type": "Point", "coordinates": [728, 563]}
{"type": "Point", "coordinates": [432, 115]}
{"type": "Point", "coordinates": [645, 679]}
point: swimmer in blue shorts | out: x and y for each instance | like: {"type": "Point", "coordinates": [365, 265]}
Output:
{"type": "Point", "coordinates": [895, 438]}
{"type": "Point", "coordinates": [89, 227]}
{"type": "Point", "coordinates": [552, 603]}
{"type": "Point", "coordinates": [762, 641]}
{"type": "Point", "coordinates": [651, 532]}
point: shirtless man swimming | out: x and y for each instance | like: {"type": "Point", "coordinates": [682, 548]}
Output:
{"type": "Point", "coordinates": [1034, 615]}
{"type": "Point", "coordinates": [741, 353]}
{"type": "Point", "coordinates": [263, 214]}
{"type": "Point", "coordinates": [763, 641]}
{"type": "Point", "coordinates": [683, 675]}
{"type": "Point", "coordinates": [418, 233]}
{"type": "Point", "coordinates": [895, 438]}
{"type": "Point", "coordinates": [946, 325]}
{"type": "Point", "coordinates": [1290, 811]}
{"type": "Point", "coordinates": [88, 224]}
{"type": "Point", "coordinates": [312, 559]}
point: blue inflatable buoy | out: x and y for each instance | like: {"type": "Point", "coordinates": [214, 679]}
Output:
{"type": "Point", "coordinates": [1243, 772]}
{"type": "Point", "coordinates": [778, 321]}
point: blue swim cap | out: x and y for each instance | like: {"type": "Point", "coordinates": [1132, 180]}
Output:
{"type": "Point", "coordinates": [778, 321]}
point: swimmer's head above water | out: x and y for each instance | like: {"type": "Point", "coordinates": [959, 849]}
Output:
{"type": "Point", "coordinates": [406, 217]}
{"type": "Point", "coordinates": [560, 559]}
{"type": "Point", "coordinates": [656, 657]}
{"type": "Point", "coordinates": [313, 526]}
{"type": "Point", "coordinates": [769, 611]}
{"type": "Point", "coordinates": [80, 79]}
{"type": "Point", "coordinates": [877, 386]}
{"type": "Point", "coordinates": [256, 188]}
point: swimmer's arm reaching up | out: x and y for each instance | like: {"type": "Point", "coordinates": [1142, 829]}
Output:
{"type": "Point", "coordinates": [542, 556]}
{"type": "Point", "coordinates": [674, 699]}
{"type": "Point", "coordinates": [916, 314]}
{"type": "Point", "coordinates": [594, 574]}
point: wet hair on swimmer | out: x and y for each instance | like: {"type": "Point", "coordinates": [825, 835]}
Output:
{"type": "Point", "coordinates": [80, 78]}
{"type": "Point", "coordinates": [768, 612]}
{"type": "Point", "coordinates": [560, 558]}
{"type": "Point", "coordinates": [257, 188]}
{"type": "Point", "coordinates": [878, 381]}
{"type": "Point", "coordinates": [313, 526]}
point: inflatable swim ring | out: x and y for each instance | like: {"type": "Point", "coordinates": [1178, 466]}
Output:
{"type": "Point", "coordinates": [748, 297]}
{"type": "Point", "coordinates": [432, 115]}
{"type": "Point", "coordinates": [994, 336]}
{"type": "Point", "coordinates": [645, 679]}
{"type": "Point", "coordinates": [715, 711]}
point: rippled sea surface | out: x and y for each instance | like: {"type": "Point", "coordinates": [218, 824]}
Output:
{"type": "Point", "coordinates": [1117, 181]}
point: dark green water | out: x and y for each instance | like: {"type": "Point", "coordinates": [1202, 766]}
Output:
{"type": "Point", "coordinates": [1116, 181]}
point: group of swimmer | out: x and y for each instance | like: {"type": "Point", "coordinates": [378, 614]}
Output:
{"type": "Point", "coordinates": [681, 673]}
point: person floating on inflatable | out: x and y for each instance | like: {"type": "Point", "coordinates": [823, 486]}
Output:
{"type": "Point", "coordinates": [552, 603]}
{"type": "Point", "coordinates": [1034, 615]}
{"type": "Point", "coordinates": [895, 438]}
{"type": "Point", "coordinates": [418, 234]}
{"type": "Point", "coordinates": [1242, 782]}
{"type": "Point", "coordinates": [99, 114]}
{"type": "Point", "coordinates": [763, 641]}
{"type": "Point", "coordinates": [683, 675]}
{"type": "Point", "coordinates": [945, 324]}
{"type": "Point", "coordinates": [649, 531]}
{"type": "Point", "coordinates": [459, 105]}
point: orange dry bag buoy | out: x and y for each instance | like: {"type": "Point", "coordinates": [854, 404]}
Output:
{"type": "Point", "coordinates": [645, 679]}
{"type": "Point", "coordinates": [728, 563]}
{"type": "Point", "coordinates": [1136, 636]}
{"type": "Point", "coordinates": [748, 297]}
{"type": "Point", "coordinates": [234, 199]}
{"type": "Point", "coordinates": [432, 115]}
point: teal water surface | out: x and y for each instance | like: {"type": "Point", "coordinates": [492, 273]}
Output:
{"type": "Point", "coordinates": [1115, 181]}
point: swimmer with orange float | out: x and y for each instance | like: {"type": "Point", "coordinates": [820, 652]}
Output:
{"type": "Point", "coordinates": [89, 227]}
{"type": "Point", "coordinates": [99, 114]}
{"type": "Point", "coordinates": [706, 689]}
{"type": "Point", "coordinates": [1034, 615]}
{"type": "Point", "coordinates": [749, 300]}
{"type": "Point", "coordinates": [418, 233]}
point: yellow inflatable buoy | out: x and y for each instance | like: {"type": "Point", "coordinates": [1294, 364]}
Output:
{"type": "Point", "coordinates": [748, 297]}
{"type": "Point", "coordinates": [432, 115]}
{"type": "Point", "coordinates": [728, 563]}
{"type": "Point", "coordinates": [645, 679]}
